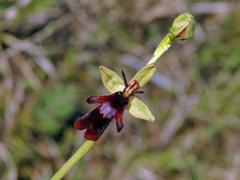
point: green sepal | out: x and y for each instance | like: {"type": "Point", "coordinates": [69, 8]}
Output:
{"type": "Point", "coordinates": [139, 109]}
{"type": "Point", "coordinates": [145, 74]}
{"type": "Point", "coordinates": [111, 81]}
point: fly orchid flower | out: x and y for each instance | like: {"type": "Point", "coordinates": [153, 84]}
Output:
{"type": "Point", "coordinates": [113, 105]}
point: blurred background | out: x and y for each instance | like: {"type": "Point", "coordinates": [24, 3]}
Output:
{"type": "Point", "coordinates": [49, 57]}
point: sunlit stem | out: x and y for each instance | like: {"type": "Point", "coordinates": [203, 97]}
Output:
{"type": "Point", "coordinates": [162, 47]}
{"type": "Point", "coordinates": [73, 160]}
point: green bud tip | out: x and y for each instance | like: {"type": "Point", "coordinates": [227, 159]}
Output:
{"type": "Point", "coordinates": [183, 26]}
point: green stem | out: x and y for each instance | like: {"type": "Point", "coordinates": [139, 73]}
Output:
{"type": "Point", "coordinates": [73, 160]}
{"type": "Point", "coordinates": [162, 47]}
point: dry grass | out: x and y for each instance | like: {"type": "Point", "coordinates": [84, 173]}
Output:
{"type": "Point", "coordinates": [49, 57]}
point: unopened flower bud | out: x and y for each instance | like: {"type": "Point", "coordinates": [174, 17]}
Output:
{"type": "Point", "coordinates": [183, 26]}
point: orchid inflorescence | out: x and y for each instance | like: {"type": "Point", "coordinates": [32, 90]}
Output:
{"type": "Point", "coordinates": [123, 94]}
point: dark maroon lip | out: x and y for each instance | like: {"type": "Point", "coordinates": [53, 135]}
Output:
{"type": "Point", "coordinates": [97, 120]}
